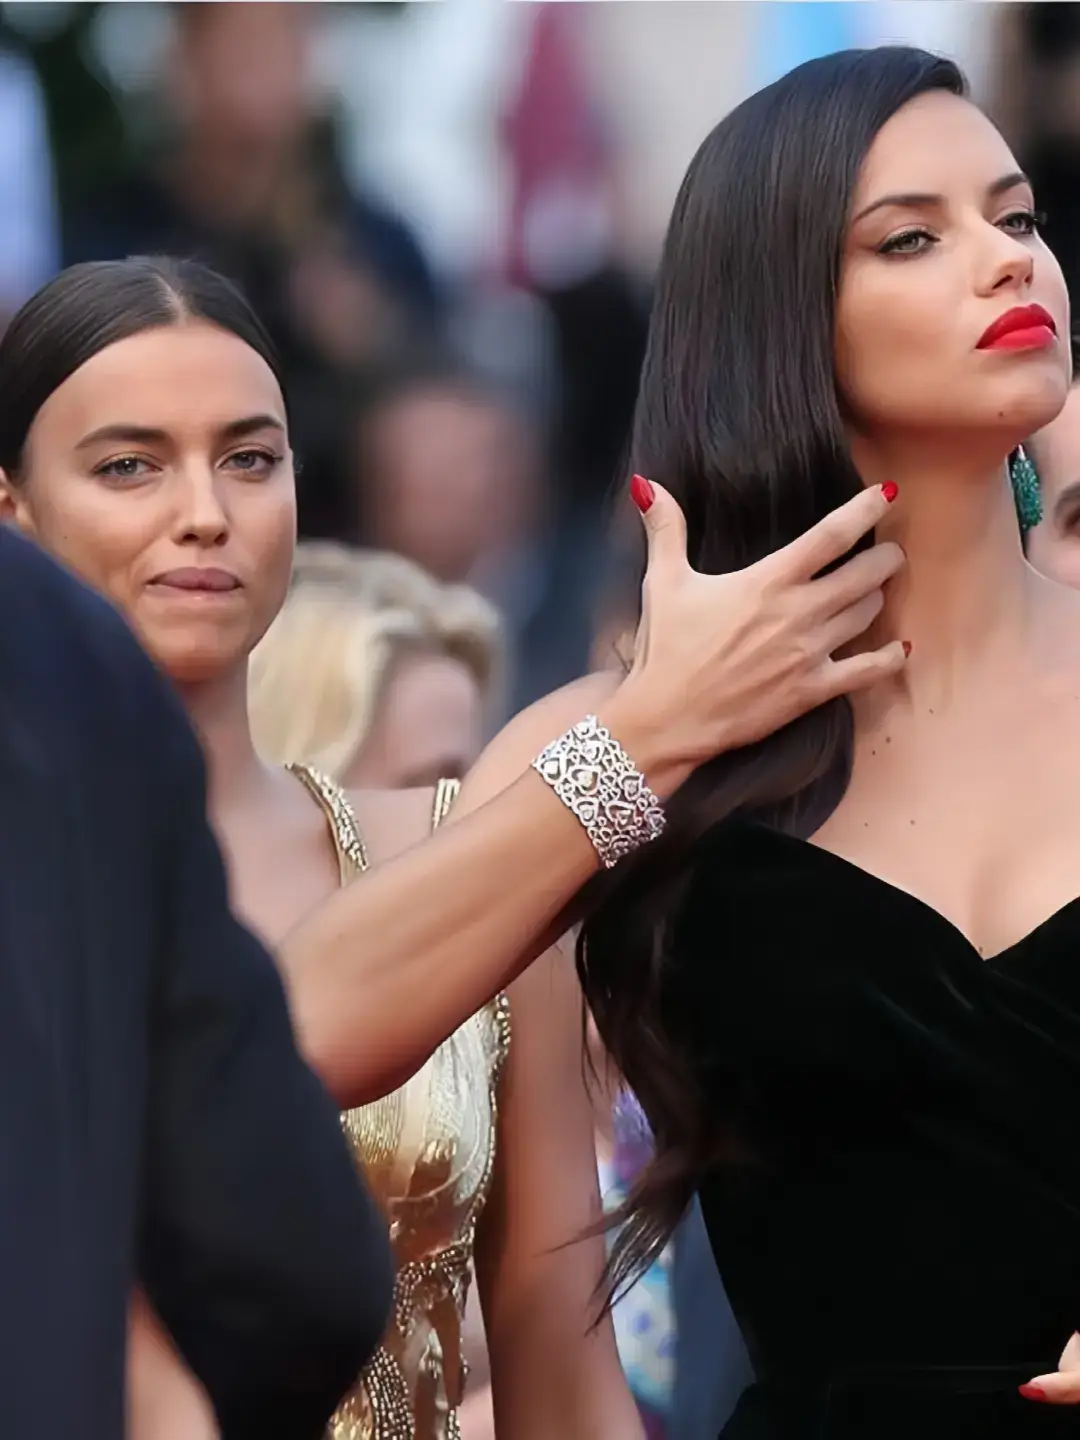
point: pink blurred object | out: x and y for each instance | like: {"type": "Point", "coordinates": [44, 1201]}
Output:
{"type": "Point", "coordinates": [560, 214]}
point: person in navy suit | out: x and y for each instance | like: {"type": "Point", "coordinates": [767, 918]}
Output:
{"type": "Point", "coordinates": [156, 1119]}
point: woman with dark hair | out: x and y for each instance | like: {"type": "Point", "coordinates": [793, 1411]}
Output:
{"type": "Point", "coordinates": [843, 984]}
{"type": "Point", "coordinates": [144, 441]}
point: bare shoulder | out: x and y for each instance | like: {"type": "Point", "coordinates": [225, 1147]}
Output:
{"type": "Point", "coordinates": [392, 821]}
{"type": "Point", "coordinates": [513, 749]}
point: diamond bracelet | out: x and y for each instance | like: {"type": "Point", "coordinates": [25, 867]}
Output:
{"type": "Point", "coordinates": [596, 780]}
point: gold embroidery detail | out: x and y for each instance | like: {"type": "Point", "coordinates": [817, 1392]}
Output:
{"type": "Point", "coordinates": [340, 814]}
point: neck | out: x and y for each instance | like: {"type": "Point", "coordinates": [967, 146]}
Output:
{"type": "Point", "coordinates": [218, 712]}
{"type": "Point", "coordinates": [964, 592]}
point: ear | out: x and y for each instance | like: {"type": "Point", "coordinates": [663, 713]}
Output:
{"type": "Point", "coordinates": [13, 507]}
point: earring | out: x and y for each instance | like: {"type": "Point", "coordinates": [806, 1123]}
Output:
{"type": "Point", "coordinates": [1027, 492]}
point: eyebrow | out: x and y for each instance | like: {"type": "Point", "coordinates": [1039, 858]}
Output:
{"type": "Point", "coordinates": [148, 435]}
{"type": "Point", "coordinates": [914, 199]}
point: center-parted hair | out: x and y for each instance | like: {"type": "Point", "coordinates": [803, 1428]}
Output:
{"type": "Point", "coordinates": [87, 308]}
{"type": "Point", "coordinates": [739, 416]}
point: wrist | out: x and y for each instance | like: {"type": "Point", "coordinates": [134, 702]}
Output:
{"type": "Point", "coordinates": [645, 738]}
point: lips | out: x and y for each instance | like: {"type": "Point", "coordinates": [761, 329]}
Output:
{"type": "Point", "coordinates": [1026, 327]}
{"type": "Point", "coordinates": [197, 581]}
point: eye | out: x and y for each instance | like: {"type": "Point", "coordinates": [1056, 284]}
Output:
{"type": "Point", "coordinates": [908, 242]}
{"type": "Point", "coordinates": [1022, 222]}
{"type": "Point", "coordinates": [255, 462]}
{"type": "Point", "coordinates": [124, 467]}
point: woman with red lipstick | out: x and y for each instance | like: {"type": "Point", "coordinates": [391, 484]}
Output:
{"type": "Point", "coordinates": [844, 984]}
{"type": "Point", "coordinates": [144, 440]}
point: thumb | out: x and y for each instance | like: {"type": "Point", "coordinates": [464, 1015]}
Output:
{"type": "Point", "coordinates": [665, 525]}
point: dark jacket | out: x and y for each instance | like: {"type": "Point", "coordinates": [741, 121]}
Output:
{"type": "Point", "coordinates": [156, 1121]}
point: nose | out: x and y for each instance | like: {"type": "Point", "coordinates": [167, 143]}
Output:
{"type": "Point", "coordinates": [202, 518]}
{"type": "Point", "coordinates": [1009, 265]}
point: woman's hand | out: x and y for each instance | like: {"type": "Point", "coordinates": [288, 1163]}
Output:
{"type": "Point", "coordinates": [723, 660]}
{"type": "Point", "coordinates": [377, 980]}
{"type": "Point", "coordinates": [1063, 1386]}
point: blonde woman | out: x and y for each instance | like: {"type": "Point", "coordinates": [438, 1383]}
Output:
{"type": "Point", "coordinates": [374, 673]}
{"type": "Point", "coordinates": [377, 675]}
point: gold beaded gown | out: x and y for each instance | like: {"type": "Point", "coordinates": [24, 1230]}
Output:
{"type": "Point", "coordinates": [427, 1152]}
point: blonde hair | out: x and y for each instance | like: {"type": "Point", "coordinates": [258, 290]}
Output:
{"type": "Point", "coordinates": [318, 676]}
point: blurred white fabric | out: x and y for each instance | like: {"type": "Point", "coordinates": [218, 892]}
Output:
{"type": "Point", "coordinates": [424, 88]}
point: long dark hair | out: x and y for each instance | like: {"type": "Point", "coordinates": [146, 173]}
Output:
{"type": "Point", "coordinates": [88, 307]}
{"type": "Point", "coordinates": [738, 415]}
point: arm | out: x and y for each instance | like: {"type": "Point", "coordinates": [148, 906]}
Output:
{"type": "Point", "coordinates": [260, 1249]}
{"type": "Point", "coordinates": [552, 1372]}
{"type": "Point", "coordinates": [495, 881]}
{"type": "Point", "coordinates": [721, 661]}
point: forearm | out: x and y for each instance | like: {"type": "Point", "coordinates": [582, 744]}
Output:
{"type": "Point", "coordinates": [583, 1396]}
{"type": "Point", "coordinates": [554, 1372]}
{"type": "Point", "coordinates": [384, 971]}
{"type": "Point", "coordinates": [476, 1418]}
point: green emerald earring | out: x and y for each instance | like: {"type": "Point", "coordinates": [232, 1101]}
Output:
{"type": "Point", "coordinates": [1027, 492]}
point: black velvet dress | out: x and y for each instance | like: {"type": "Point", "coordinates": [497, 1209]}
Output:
{"type": "Point", "coordinates": [900, 1237]}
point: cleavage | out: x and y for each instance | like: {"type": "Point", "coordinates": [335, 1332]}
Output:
{"type": "Point", "coordinates": [994, 901]}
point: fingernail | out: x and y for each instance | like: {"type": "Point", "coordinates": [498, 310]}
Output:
{"type": "Point", "coordinates": [890, 491]}
{"type": "Point", "coordinates": [642, 493]}
{"type": "Point", "coordinates": [1032, 1392]}
{"type": "Point", "coordinates": [907, 647]}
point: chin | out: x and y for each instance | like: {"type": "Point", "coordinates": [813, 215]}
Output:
{"type": "Point", "coordinates": [1030, 403]}
{"type": "Point", "coordinates": [196, 668]}
{"type": "Point", "coordinates": [193, 650]}
{"type": "Point", "coordinates": [193, 663]}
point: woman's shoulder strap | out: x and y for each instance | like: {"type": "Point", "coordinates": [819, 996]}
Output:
{"type": "Point", "coordinates": [340, 816]}
{"type": "Point", "coordinates": [446, 792]}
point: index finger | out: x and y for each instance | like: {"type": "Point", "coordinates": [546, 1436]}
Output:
{"type": "Point", "coordinates": [832, 537]}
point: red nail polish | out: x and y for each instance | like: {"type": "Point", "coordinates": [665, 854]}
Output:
{"type": "Point", "coordinates": [1032, 1392]}
{"type": "Point", "coordinates": [907, 647]}
{"type": "Point", "coordinates": [642, 493]}
{"type": "Point", "coordinates": [890, 491]}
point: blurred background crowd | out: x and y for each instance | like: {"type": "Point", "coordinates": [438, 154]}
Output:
{"type": "Point", "coordinates": [448, 214]}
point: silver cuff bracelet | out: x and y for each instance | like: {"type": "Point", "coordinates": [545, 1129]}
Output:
{"type": "Point", "coordinates": [597, 782]}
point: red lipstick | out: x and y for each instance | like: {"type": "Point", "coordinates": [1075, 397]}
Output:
{"type": "Point", "coordinates": [1026, 327]}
